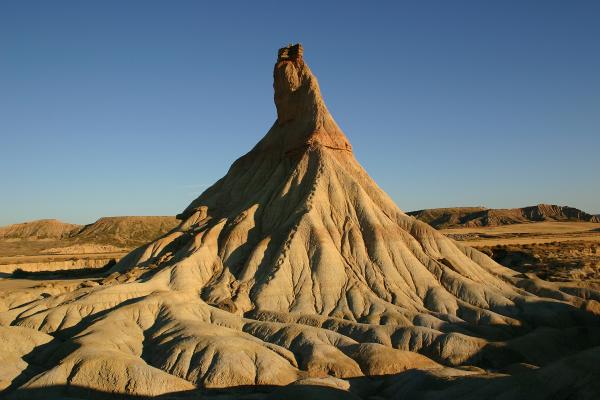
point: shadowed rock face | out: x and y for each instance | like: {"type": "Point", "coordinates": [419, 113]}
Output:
{"type": "Point", "coordinates": [296, 266]}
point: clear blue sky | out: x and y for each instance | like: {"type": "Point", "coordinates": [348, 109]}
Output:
{"type": "Point", "coordinates": [135, 107]}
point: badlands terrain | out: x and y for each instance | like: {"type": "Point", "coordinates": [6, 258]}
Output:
{"type": "Point", "coordinates": [52, 245]}
{"type": "Point", "coordinates": [556, 243]}
{"type": "Point", "coordinates": [295, 276]}
{"type": "Point", "coordinates": [461, 217]}
{"type": "Point", "coordinates": [555, 251]}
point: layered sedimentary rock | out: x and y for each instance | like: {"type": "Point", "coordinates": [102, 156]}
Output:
{"type": "Point", "coordinates": [479, 216]}
{"type": "Point", "coordinates": [297, 267]}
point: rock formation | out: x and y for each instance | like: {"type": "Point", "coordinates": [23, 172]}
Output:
{"type": "Point", "coordinates": [106, 230]}
{"type": "Point", "coordinates": [51, 245]}
{"type": "Point", "coordinates": [295, 267]}
{"type": "Point", "coordinates": [456, 217]}
{"type": "Point", "coordinates": [39, 229]}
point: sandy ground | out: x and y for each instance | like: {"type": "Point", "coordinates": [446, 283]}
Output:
{"type": "Point", "coordinates": [56, 258]}
{"type": "Point", "coordinates": [530, 233]}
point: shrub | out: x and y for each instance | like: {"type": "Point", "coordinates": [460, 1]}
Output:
{"type": "Point", "coordinates": [19, 273]}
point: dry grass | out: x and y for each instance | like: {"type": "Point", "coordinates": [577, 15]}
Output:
{"type": "Point", "coordinates": [530, 233]}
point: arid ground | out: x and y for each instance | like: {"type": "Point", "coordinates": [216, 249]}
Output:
{"type": "Point", "coordinates": [554, 251]}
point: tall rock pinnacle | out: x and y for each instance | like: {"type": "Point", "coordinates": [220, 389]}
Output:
{"type": "Point", "coordinates": [302, 117]}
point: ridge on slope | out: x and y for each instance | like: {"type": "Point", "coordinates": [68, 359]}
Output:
{"type": "Point", "coordinates": [455, 217]}
{"type": "Point", "coordinates": [297, 265]}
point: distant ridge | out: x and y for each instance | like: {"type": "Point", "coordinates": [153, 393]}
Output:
{"type": "Point", "coordinates": [456, 217]}
{"type": "Point", "coordinates": [39, 229]}
{"type": "Point", "coordinates": [134, 229]}
{"type": "Point", "coordinates": [122, 230]}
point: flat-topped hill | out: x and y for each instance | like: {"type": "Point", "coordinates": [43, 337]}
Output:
{"type": "Point", "coordinates": [455, 217]}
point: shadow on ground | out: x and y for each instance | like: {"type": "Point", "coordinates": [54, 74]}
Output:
{"type": "Point", "coordinates": [62, 274]}
{"type": "Point", "coordinates": [300, 392]}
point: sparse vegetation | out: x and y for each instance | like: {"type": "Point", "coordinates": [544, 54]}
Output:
{"type": "Point", "coordinates": [554, 261]}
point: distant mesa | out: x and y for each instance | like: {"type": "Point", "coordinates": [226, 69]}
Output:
{"type": "Point", "coordinates": [53, 245]}
{"type": "Point", "coordinates": [456, 217]}
{"type": "Point", "coordinates": [39, 229]}
{"type": "Point", "coordinates": [127, 229]}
